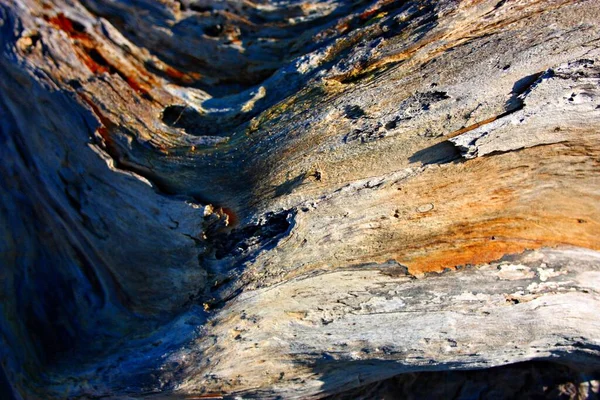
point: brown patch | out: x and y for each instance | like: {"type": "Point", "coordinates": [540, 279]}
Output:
{"type": "Point", "coordinates": [473, 127]}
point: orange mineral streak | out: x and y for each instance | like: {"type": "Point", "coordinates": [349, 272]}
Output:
{"type": "Point", "coordinates": [95, 67]}
{"type": "Point", "coordinates": [182, 77]}
{"type": "Point", "coordinates": [368, 14]}
{"type": "Point", "coordinates": [476, 244]}
{"type": "Point", "coordinates": [485, 243]}
{"type": "Point", "coordinates": [103, 131]}
{"type": "Point", "coordinates": [106, 124]}
{"type": "Point", "coordinates": [371, 11]}
{"type": "Point", "coordinates": [89, 52]}
{"type": "Point", "coordinates": [232, 217]}
{"type": "Point", "coordinates": [67, 25]}
{"type": "Point", "coordinates": [174, 73]}
{"type": "Point", "coordinates": [474, 126]}
{"type": "Point", "coordinates": [469, 213]}
{"type": "Point", "coordinates": [486, 209]}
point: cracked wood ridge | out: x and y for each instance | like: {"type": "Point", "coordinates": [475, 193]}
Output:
{"type": "Point", "coordinates": [295, 199]}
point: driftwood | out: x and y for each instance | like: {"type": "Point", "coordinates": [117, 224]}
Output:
{"type": "Point", "coordinates": [288, 199]}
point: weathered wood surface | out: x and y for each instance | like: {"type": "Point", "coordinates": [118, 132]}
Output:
{"type": "Point", "coordinates": [293, 199]}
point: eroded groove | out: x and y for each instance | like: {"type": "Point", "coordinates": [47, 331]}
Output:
{"type": "Point", "coordinates": [342, 192]}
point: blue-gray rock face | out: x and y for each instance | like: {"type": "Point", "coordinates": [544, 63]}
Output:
{"type": "Point", "coordinates": [295, 199]}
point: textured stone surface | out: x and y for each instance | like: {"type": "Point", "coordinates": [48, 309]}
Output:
{"type": "Point", "coordinates": [358, 325]}
{"type": "Point", "coordinates": [292, 199]}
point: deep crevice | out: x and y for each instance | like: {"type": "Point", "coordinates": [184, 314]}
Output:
{"type": "Point", "coordinates": [263, 235]}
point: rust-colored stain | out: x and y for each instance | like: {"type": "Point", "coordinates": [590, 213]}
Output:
{"type": "Point", "coordinates": [180, 76]}
{"type": "Point", "coordinates": [89, 52]}
{"type": "Point", "coordinates": [368, 14]}
{"type": "Point", "coordinates": [103, 131]}
{"type": "Point", "coordinates": [473, 244]}
{"type": "Point", "coordinates": [474, 126]}
{"type": "Point", "coordinates": [103, 119]}
{"type": "Point", "coordinates": [232, 218]}
{"type": "Point", "coordinates": [174, 73]}
{"type": "Point", "coordinates": [67, 25]}
{"type": "Point", "coordinates": [106, 125]}
{"type": "Point", "coordinates": [484, 210]}
{"type": "Point", "coordinates": [94, 66]}
{"type": "Point", "coordinates": [376, 9]}
{"type": "Point", "coordinates": [490, 243]}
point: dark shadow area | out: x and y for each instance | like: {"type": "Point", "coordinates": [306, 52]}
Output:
{"type": "Point", "coordinates": [193, 122]}
{"type": "Point", "coordinates": [441, 153]}
{"type": "Point", "coordinates": [6, 391]}
{"type": "Point", "coordinates": [263, 235]}
{"type": "Point", "coordinates": [289, 186]}
{"type": "Point", "coordinates": [528, 380]}
{"type": "Point", "coordinates": [499, 4]}
{"type": "Point", "coordinates": [521, 87]}
{"type": "Point", "coordinates": [354, 112]}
